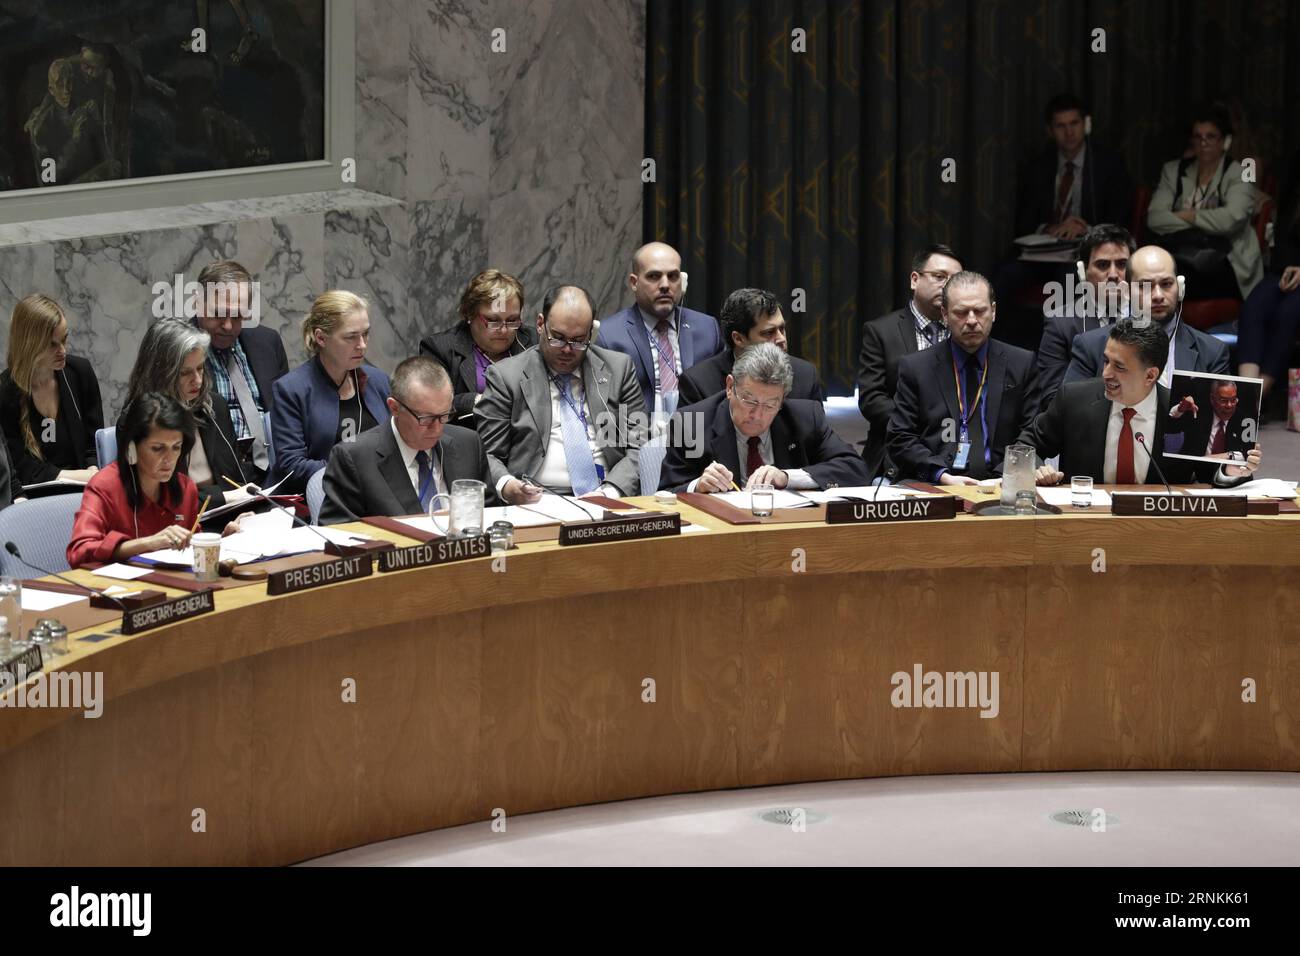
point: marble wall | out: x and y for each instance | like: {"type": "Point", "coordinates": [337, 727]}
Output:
{"type": "Point", "coordinates": [527, 160]}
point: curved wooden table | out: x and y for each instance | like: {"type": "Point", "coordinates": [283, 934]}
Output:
{"type": "Point", "coordinates": [523, 690]}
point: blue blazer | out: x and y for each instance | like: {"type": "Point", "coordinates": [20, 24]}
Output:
{"type": "Point", "coordinates": [305, 419]}
{"type": "Point", "coordinates": [698, 336]}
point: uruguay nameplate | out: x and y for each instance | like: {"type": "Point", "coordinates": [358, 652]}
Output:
{"type": "Point", "coordinates": [318, 575]}
{"type": "Point", "coordinates": [928, 508]}
{"type": "Point", "coordinates": [150, 616]}
{"type": "Point", "coordinates": [1141, 504]}
{"type": "Point", "coordinates": [443, 551]}
{"type": "Point", "coordinates": [655, 525]}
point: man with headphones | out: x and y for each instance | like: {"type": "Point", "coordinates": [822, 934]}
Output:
{"type": "Point", "coordinates": [1100, 298]}
{"type": "Point", "coordinates": [1157, 294]}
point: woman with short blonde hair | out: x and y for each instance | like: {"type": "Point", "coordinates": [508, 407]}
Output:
{"type": "Point", "coordinates": [334, 396]}
{"type": "Point", "coordinates": [50, 406]}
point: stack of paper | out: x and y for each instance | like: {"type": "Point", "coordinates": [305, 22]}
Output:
{"type": "Point", "coordinates": [259, 543]}
{"type": "Point", "coordinates": [1258, 488]}
{"type": "Point", "coordinates": [863, 493]}
{"type": "Point", "coordinates": [1062, 497]}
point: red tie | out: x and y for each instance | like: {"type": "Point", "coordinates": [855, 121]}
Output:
{"type": "Point", "coordinates": [1063, 193]}
{"type": "Point", "coordinates": [1220, 443]}
{"type": "Point", "coordinates": [753, 460]}
{"type": "Point", "coordinates": [1124, 474]}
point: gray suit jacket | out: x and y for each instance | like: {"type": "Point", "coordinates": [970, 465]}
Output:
{"type": "Point", "coordinates": [367, 477]}
{"type": "Point", "coordinates": [514, 415]}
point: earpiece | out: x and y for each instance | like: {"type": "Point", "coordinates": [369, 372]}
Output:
{"type": "Point", "coordinates": [1182, 287]}
{"type": "Point", "coordinates": [131, 457]}
{"type": "Point", "coordinates": [1087, 126]}
{"type": "Point", "coordinates": [1083, 273]}
{"type": "Point", "coordinates": [1227, 143]}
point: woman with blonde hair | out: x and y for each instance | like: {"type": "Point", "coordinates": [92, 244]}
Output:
{"type": "Point", "coordinates": [334, 396]}
{"type": "Point", "coordinates": [491, 328]}
{"type": "Point", "coordinates": [50, 407]}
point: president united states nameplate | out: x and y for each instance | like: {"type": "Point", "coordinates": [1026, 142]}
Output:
{"type": "Point", "coordinates": [927, 508]}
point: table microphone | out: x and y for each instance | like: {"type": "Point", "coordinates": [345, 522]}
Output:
{"type": "Point", "coordinates": [13, 549]}
{"type": "Point", "coordinates": [1141, 440]}
{"type": "Point", "coordinates": [605, 514]}
{"type": "Point", "coordinates": [331, 547]}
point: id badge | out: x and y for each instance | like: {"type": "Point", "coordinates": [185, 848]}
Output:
{"type": "Point", "coordinates": [963, 455]}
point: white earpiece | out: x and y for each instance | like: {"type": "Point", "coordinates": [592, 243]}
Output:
{"type": "Point", "coordinates": [1087, 126]}
{"type": "Point", "coordinates": [1083, 273]}
{"type": "Point", "coordinates": [1227, 142]}
{"type": "Point", "coordinates": [1182, 287]}
{"type": "Point", "coordinates": [131, 457]}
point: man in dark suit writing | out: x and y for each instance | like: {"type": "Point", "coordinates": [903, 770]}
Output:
{"type": "Point", "coordinates": [1110, 427]}
{"type": "Point", "coordinates": [749, 317]}
{"type": "Point", "coordinates": [396, 469]}
{"type": "Point", "coordinates": [752, 434]}
{"type": "Point", "coordinates": [960, 403]}
{"type": "Point", "coordinates": [917, 326]}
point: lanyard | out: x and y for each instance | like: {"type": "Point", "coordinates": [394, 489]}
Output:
{"type": "Point", "coordinates": [979, 392]}
{"type": "Point", "coordinates": [659, 349]}
{"type": "Point", "coordinates": [564, 394]}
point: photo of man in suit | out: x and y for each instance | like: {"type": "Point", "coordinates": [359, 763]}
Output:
{"type": "Point", "coordinates": [918, 325]}
{"type": "Point", "coordinates": [566, 416]}
{"type": "Point", "coordinates": [397, 468]}
{"type": "Point", "coordinates": [1233, 414]}
{"type": "Point", "coordinates": [1110, 427]}
{"type": "Point", "coordinates": [754, 434]}
{"type": "Point", "coordinates": [662, 338]}
{"type": "Point", "coordinates": [960, 403]}
{"type": "Point", "coordinates": [749, 317]}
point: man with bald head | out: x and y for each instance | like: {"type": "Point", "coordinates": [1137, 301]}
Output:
{"type": "Point", "coordinates": [564, 417]}
{"type": "Point", "coordinates": [1156, 295]}
{"type": "Point", "coordinates": [662, 338]}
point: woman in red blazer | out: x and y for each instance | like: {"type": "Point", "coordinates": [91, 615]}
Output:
{"type": "Point", "coordinates": [140, 502]}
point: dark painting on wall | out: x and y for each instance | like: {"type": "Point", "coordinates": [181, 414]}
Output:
{"type": "Point", "coordinates": [104, 90]}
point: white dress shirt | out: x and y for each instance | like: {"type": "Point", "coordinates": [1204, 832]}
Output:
{"type": "Point", "coordinates": [1144, 424]}
{"type": "Point", "coordinates": [413, 467]}
{"type": "Point", "coordinates": [796, 478]}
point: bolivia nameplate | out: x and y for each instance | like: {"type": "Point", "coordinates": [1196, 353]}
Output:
{"type": "Point", "coordinates": [442, 551]}
{"type": "Point", "coordinates": [318, 575]}
{"type": "Point", "coordinates": [655, 525]}
{"type": "Point", "coordinates": [1140, 504]}
{"type": "Point", "coordinates": [150, 616]}
{"type": "Point", "coordinates": [928, 508]}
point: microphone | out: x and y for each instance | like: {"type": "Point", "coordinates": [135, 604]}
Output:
{"type": "Point", "coordinates": [530, 480]}
{"type": "Point", "coordinates": [331, 547]}
{"type": "Point", "coordinates": [13, 549]}
{"type": "Point", "coordinates": [880, 467]}
{"type": "Point", "coordinates": [1141, 440]}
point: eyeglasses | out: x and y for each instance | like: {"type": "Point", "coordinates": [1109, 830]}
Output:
{"type": "Point", "coordinates": [937, 276]}
{"type": "Point", "coordinates": [1206, 138]}
{"type": "Point", "coordinates": [559, 341]}
{"type": "Point", "coordinates": [500, 325]}
{"type": "Point", "coordinates": [753, 404]}
{"type": "Point", "coordinates": [424, 420]}
{"type": "Point", "coordinates": [1226, 401]}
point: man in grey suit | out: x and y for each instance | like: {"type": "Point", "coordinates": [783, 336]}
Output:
{"type": "Point", "coordinates": [566, 416]}
{"type": "Point", "coordinates": [397, 468]}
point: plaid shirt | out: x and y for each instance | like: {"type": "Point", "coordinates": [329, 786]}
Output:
{"type": "Point", "coordinates": [221, 379]}
{"type": "Point", "coordinates": [922, 323]}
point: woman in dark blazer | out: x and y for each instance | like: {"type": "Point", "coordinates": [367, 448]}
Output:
{"type": "Point", "coordinates": [1271, 316]}
{"type": "Point", "coordinates": [173, 361]}
{"type": "Point", "coordinates": [332, 397]}
{"type": "Point", "coordinates": [490, 329]}
{"type": "Point", "coordinates": [49, 400]}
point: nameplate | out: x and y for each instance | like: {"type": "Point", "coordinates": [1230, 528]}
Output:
{"type": "Point", "coordinates": [150, 616]}
{"type": "Point", "coordinates": [442, 551]}
{"type": "Point", "coordinates": [318, 575]}
{"type": "Point", "coordinates": [621, 529]}
{"type": "Point", "coordinates": [19, 667]}
{"type": "Point", "coordinates": [898, 509]}
{"type": "Point", "coordinates": [1140, 504]}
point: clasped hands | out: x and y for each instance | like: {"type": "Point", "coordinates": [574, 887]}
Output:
{"type": "Point", "coordinates": [718, 477]}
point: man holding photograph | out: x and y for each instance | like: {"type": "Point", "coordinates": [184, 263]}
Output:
{"type": "Point", "coordinates": [1219, 434]}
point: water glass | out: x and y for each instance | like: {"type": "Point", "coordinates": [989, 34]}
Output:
{"type": "Point", "coordinates": [761, 498]}
{"type": "Point", "coordinates": [1018, 474]}
{"type": "Point", "coordinates": [1026, 501]}
{"type": "Point", "coordinates": [465, 509]}
{"type": "Point", "coordinates": [11, 609]}
{"type": "Point", "coordinates": [1081, 491]}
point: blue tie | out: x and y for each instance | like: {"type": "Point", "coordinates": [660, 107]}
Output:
{"type": "Point", "coordinates": [577, 452]}
{"type": "Point", "coordinates": [425, 477]}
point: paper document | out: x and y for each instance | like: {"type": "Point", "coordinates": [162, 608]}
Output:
{"type": "Point", "coordinates": [1259, 488]}
{"type": "Point", "coordinates": [122, 572]}
{"type": "Point", "coordinates": [780, 499]}
{"type": "Point", "coordinates": [223, 509]}
{"type": "Point", "coordinates": [863, 493]}
{"type": "Point", "coordinates": [37, 600]}
{"type": "Point", "coordinates": [1061, 497]}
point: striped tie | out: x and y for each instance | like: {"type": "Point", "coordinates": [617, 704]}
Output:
{"type": "Point", "coordinates": [667, 359]}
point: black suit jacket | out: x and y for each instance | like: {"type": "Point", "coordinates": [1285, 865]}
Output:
{"type": "Point", "coordinates": [800, 439]}
{"type": "Point", "coordinates": [884, 343]}
{"type": "Point", "coordinates": [1194, 351]}
{"type": "Point", "coordinates": [266, 356]}
{"type": "Point", "coordinates": [1059, 333]}
{"type": "Point", "coordinates": [1107, 189]}
{"type": "Point", "coordinates": [709, 377]}
{"type": "Point", "coordinates": [1196, 432]}
{"type": "Point", "coordinates": [1074, 427]}
{"type": "Point", "coordinates": [926, 406]}
{"type": "Point", "coordinates": [367, 477]}
{"type": "Point", "coordinates": [454, 350]}
{"type": "Point", "coordinates": [217, 434]}
{"type": "Point", "coordinates": [81, 414]}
